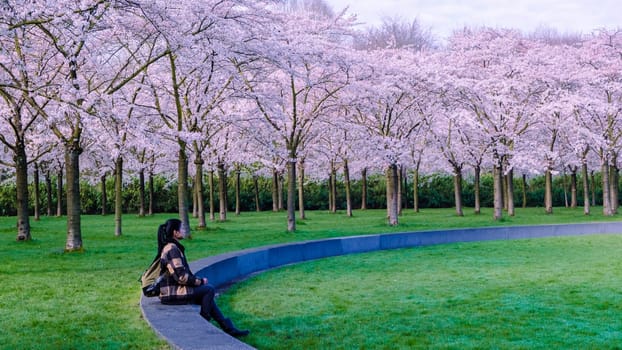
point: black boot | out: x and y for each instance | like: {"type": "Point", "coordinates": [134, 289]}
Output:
{"type": "Point", "coordinates": [230, 329]}
{"type": "Point", "coordinates": [205, 316]}
{"type": "Point", "coordinates": [224, 323]}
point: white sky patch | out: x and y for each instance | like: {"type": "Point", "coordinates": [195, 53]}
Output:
{"type": "Point", "coordinates": [444, 16]}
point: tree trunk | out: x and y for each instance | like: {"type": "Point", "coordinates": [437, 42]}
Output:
{"type": "Point", "coordinates": [476, 185]}
{"type": "Point", "coordinates": [48, 187]}
{"type": "Point", "coordinates": [403, 191]}
{"type": "Point", "coordinates": [256, 187]}
{"type": "Point", "coordinates": [212, 205]}
{"type": "Point", "coordinates": [606, 188]}
{"type": "Point", "coordinates": [72, 164]}
{"type": "Point", "coordinates": [237, 191]}
{"type": "Point", "coordinates": [151, 194]}
{"type": "Point", "coordinates": [573, 188]}
{"type": "Point", "coordinates": [141, 193]}
{"type": "Point", "coordinates": [593, 187]}
{"type": "Point", "coordinates": [392, 206]}
{"type": "Point", "coordinates": [280, 192]}
{"type": "Point", "coordinates": [498, 190]}
{"type": "Point", "coordinates": [21, 186]}
{"type": "Point", "coordinates": [291, 196]}
{"type": "Point", "coordinates": [275, 190]}
{"type": "Point", "coordinates": [524, 188]}
{"type": "Point", "coordinates": [59, 193]}
{"type": "Point", "coordinates": [586, 189]}
{"type": "Point", "coordinates": [330, 191]}
{"type": "Point", "coordinates": [416, 189]}
{"type": "Point", "coordinates": [333, 186]}
{"type": "Point", "coordinates": [37, 207]}
{"type": "Point", "coordinates": [104, 195]}
{"type": "Point", "coordinates": [364, 189]}
{"type": "Point", "coordinates": [458, 190]}
{"type": "Point", "coordinates": [399, 190]}
{"type": "Point", "coordinates": [182, 161]}
{"type": "Point", "coordinates": [548, 192]}
{"type": "Point", "coordinates": [565, 187]}
{"type": "Point", "coordinates": [614, 179]}
{"type": "Point", "coordinates": [346, 176]}
{"type": "Point", "coordinates": [510, 192]}
{"type": "Point", "coordinates": [222, 191]}
{"type": "Point", "coordinates": [198, 183]}
{"type": "Point", "coordinates": [301, 192]}
{"type": "Point", "coordinates": [118, 197]}
{"type": "Point", "coordinates": [195, 209]}
{"type": "Point", "coordinates": [182, 189]}
{"type": "Point", "coordinates": [504, 191]}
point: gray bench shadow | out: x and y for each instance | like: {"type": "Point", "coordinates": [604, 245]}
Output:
{"type": "Point", "coordinates": [183, 328]}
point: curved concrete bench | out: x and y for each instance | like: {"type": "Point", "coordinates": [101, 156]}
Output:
{"type": "Point", "coordinates": [184, 328]}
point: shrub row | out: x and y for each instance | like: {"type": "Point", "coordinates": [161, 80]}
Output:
{"type": "Point", "coordinates": [435, 191]}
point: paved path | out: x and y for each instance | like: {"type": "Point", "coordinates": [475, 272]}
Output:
{"type": "Point", "coordinates": [184, 328]}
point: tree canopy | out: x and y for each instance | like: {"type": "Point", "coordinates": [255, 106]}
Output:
{"type": "Point", "coordinates": [99, 86]}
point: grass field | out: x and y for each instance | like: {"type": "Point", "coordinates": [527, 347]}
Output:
{"type": "Point", "coordinates": [54, 300]}
{"type": "Point", "coordinates": [553, 293]}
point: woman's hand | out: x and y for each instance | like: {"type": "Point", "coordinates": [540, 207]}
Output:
{"type": "Point", "coordinates": [204, 280]}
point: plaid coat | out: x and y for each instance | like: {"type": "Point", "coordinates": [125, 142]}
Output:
{"type": "Point", "coordinates": [178, 283]}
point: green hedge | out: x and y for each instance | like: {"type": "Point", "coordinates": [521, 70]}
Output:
{"type": "Point", "coordinates": [435, 191]}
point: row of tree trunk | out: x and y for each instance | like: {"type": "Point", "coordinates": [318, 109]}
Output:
{"type": "Point", "coordinates": [395, 178]}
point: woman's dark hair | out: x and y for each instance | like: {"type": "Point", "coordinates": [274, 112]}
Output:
{"type": "Point", "coordinates": [165, 234]}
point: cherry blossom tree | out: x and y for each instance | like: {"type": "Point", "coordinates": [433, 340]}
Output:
{"type": "Point", "coordinates": [286, 86]}
{"type": "Point", "coordinates": [77, 39]}
{"type": "Point", "coordinates": [115, 133]}
{"type": "Point", "coordinates": [294, 90]}
{"type": "Point", "coordinates": [493, 83]}
{"type": "Point", "coordinates": [554, 66]}
{"type": "Point", "coordinates": [391, 90]}
{"type": "Point", "coordinates": [207, 92]}
{"type": "Point", "coordinates": [346, 152]}
{"type": "Point", "coordinates": [396, 33]}
{"type": "Point", "coordinates": [148, 158]}
{"type": "Point", "coordinates": [328, 154]}
{"type": "Point", "coordinates": [200, 40]}
{"type": "Point", "coordinates": [599, 110]}
{"type": "Point", "coordinates": [20, 64]}
{"type": "Point", "coordinates": [451, 140]}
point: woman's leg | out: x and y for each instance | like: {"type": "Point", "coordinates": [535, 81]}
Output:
{"type": "Point", "coordinates": [204, 296]}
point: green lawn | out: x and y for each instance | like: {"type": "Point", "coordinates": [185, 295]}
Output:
{"type": "Point", "coordinates": [89, 300]}
{"type": "Point", "coordinates": [552, 293]}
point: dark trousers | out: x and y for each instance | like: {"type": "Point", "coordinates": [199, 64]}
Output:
{"type": "Point", "coordinates": [204, 296]}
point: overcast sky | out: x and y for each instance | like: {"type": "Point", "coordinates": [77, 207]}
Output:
{"type": "Point", "coordinates": [443, 16]}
